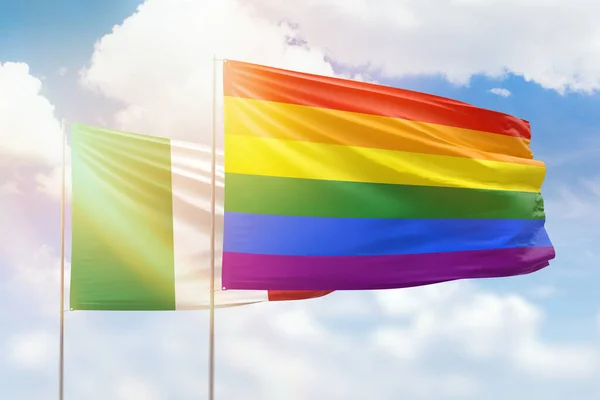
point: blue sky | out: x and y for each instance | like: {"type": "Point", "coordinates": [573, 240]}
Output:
{"type": "Point", "coordinates": [531, 336]}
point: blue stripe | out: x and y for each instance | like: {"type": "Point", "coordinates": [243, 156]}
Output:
{"type": "Point", "coordinates": [314, 236]}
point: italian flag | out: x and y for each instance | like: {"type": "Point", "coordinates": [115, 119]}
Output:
{"type": "Point", "coordinates": [141, 209]}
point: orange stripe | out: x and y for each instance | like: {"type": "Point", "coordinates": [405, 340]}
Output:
{"type": "Point", "coordinates": [259, 118]}
{"type": "Point", "coordinates": [272, 84]}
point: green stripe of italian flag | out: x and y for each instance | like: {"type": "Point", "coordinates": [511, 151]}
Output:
{"type": "Point", "coordinates": [141, 225]}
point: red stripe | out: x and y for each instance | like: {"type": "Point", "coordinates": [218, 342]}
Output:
{"type": "Point", "coordinates": [281, 295]}
{"type": "Point", "coordinates": [278, 85]}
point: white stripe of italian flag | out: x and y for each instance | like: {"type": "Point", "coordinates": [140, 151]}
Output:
{"type": "Point", "coordinates": [141, 225]}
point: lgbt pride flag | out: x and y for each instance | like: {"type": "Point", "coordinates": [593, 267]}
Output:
{"type": "Point", "coordinates": [141, 209]}
{"type": "Point", "coordinates": [335, 184]}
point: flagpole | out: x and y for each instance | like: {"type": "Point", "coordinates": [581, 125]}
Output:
{"type": "Point", "coordinates": [211, 350]}
{"type": "Point", "coordinates": [61, 361]}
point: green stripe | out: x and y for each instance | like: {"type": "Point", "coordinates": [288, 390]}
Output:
{"type": "Point", "coordinates": [307, 197]}
{"type": "Point", "coordinates": [122, 222]}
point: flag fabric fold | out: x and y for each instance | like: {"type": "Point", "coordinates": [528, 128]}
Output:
{"type": "Point", "coordinates": [141, 225]}
{"type": "Point", "coordinates": [332, 184]}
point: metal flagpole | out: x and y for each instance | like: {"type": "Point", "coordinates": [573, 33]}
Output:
{"type": "Point", "coordinates": [62, 269]}
{"type": "Point", "coordinates": [211, 350]}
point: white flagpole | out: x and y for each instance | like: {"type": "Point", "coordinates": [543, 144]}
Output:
{"type": "Point", "coordinates": [211, 349]}
{"type": "Point", "coordinates": [62, 269]}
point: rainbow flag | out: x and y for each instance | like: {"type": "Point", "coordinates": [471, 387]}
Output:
{"type": "Point", "coordinates": [335, 184]}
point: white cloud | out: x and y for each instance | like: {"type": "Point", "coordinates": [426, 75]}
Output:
{"type": "Point", "coordinates": [575, 201]}
{"type": "Point", "coordinates": [554, 43]}
{"type": "Point", "coordinates": [38, 273]}
{"type": "Point", "coordinates": [40, 267]}
{"type": "Point", "coordinates": [31, 350]}
{"type": "Point", "coordinates": [501, 92]}
{"type": "Point", "coordinates": [482, 325]}
{"type": "Point", "coordinates": [10, 188]}
{"type": "Point", "coordinates": [572, 223]}
{"type": "Point", "coordinates": [51, 183]}
{"type": "Point", "coordinates": [557, 362]}
{"type": "Point", "coordinates": [136, 388]}
{"type": "Point", "coordinates": [28, 127]}
{"type": "Point", "coordinates": [299, 323]}
{"type": "Point", "coordinates": [166, 84]}
{"type": "Point", "coordinates": [459, 386]}
{"type": "Point", "coordinates": [30, 134]}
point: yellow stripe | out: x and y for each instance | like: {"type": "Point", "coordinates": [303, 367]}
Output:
{"type": "Point", "coordinates": [293, 122]}
{"type": "Point", "coordinates": [294, 159]}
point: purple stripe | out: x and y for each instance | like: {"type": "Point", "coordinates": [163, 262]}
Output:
{"type": "Point", "coordinates": [276, 272]}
